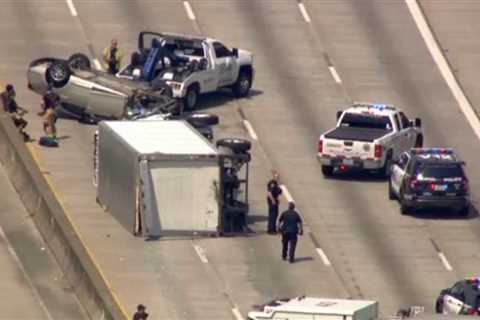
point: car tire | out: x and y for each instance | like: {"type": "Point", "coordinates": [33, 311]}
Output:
{"type": "Point", "coordinates": [391, 193]}
{"type": "Point", "coordinates": [202, 119]}
{"type": "Point", "coordinates": [58, 74]}
{"type": "Point", "coordinates": [235, 144]}
{"type": "Point", "coordinates": [463, 212]}
{"type": "Point", "coordinates": [242, 86]}
{"type": "Point", "coordinates": [419, 141]}
{"type": "Point", "coordinates": [191, 97]}
{"type": "Point", "coordinates": [79, 61]}
{"type": "Point", "coordinates": [439, 306]}
{"type": "Point", "coordinates": [327, 171]}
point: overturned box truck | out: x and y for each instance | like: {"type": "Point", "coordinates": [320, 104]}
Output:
{"type": "Point", "coordinates": [160, 178]}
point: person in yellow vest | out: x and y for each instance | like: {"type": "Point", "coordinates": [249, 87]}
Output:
{"type": "Point", "coordinates": [112, 56]}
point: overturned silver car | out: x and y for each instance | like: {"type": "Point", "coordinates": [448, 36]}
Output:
{"type": "Point", "coordinates": [92, 94]}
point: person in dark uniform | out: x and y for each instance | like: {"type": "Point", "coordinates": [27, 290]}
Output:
{"type": "Point", "coordinates": [16, 112]}
{"type": "Point", "coordinates": [273, 193]}
{"type": "Point", "coordinates": [290, 225]}
{"type": "Point", "coordinates": [140, 314]}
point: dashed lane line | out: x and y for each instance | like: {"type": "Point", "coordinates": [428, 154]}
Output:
{"type": "Point", "coordinates": [286, 193]}
{"type": "Point", "coordinates": [201, 253]}
{"type": "Point", "coordinates": [189, 10]}
{"type": "Point", "coordinates": [250, 130]}
{"type": "Point", "coordinates": [97, 64]}
{"type": "Point", "coordinates": [71, 6]}
{"type": "Point", "coordinates": [334, 74]}
{"type": "Point", "coordinates": [304, 12]}
{"type": "Point", "coordinates": [237, 313]}
{"type": "Point", "coordinates": [324, 257]}
{"type": "Point", "coordinates": [445, 262]}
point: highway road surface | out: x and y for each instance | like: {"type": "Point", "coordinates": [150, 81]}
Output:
{"type": "Point", "coordinates": [311, 58]}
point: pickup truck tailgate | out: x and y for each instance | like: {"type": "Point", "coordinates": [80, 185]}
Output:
{"type": "Point", "coordinates": [348, 148]}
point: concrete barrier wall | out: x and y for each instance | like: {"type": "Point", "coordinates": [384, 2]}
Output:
{"type": "Point", "coordinates": [55, 226]}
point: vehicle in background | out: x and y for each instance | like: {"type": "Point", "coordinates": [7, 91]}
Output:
{"type": "Point", "coordinates": [368, 137]}
{"type": "Point", "coordinates": [429, 178]}
{"type": "Point", "coordinates": [91, 95]}
{"type": "Point", "coordinates": [190, 65]}
{"type": "Point", "coordinates": [463, 298]}
{"type": "Point", "coordinates": [301, 308]}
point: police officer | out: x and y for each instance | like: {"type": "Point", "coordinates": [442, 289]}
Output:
{"type": "Point", "coordinates": [140, 314]}
{"type": "Point", "coordinates": [273, 194]}
{"type": "Point", "coordinates": [290, 225]}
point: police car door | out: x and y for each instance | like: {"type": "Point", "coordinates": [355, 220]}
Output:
{"type": "Point", "coordinates": [452, 302]}
{"type": "Point", "coordinates": [398, 172]}
{"type": "Point", "coordinates": [225, 63]}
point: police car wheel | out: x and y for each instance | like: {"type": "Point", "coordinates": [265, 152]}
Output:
{"type": "Point", "coordinates": [463, 212]}
{"type": "Point", "coordinates": [327, 171]}
{"type": "Point", "coordinates": [391, 193]}
{"type": "Point", "coordinates": [235, 144]}
{"type": "Point", "coordinates": [79, 61]}
{"type": "Point", "coordinates": [190, 100]}
{"type": "Point", "coordinates": [404, 209]}
{"type": "Point", "coordinates": [58, 74]}
{"type": "Point", "coordinates": [439, 306]}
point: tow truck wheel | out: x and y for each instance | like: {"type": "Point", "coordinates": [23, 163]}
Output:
{"type": "Point", "coordinates": [58, 74]}
{"type": "Point", "coordinates": [327, 170]}
{"type": "Point", "coordinates": [190, 100]}
{"type": "Point", "coordinates": [79, 61]}
{"type": "Point", "coordinates": [243, 84]}
{"type": "Point", "coordinates": [391, 193]}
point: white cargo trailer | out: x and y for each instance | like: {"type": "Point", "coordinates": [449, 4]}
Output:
{"type": "Point", "coordinates": [309, 308]}
{"type": "Point", "coordinates": [158, 177]}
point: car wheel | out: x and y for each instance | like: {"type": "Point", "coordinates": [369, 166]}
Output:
{"type": "Point", "coordinates": [58, 74]}
{"type": "Point", "coordinates": [79, 61]}
{"type": "Point", "coordinates": [243, 84]}
{"type": "Point", "coordinates": [327, 171]}
{"type": "Point", "coordinates": [202, 119]}
{"type": "Point", "coordinates": [391, 193]}
{"type": "Point", "coordinates": [159, 84]}
{"type": "Point", "coordinates": [235, 144]}
{"type": "Point", "coordinates": [439, 306]}
{"type": "Point", "coordinates": [419, 141]}
{"type": "Point", "coordinates": [190, 100]}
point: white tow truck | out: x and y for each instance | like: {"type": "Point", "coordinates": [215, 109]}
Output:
{"type": "Point", "coordinates": [190, 65]}
{"type": "Point", "coordinates": [368, 136]}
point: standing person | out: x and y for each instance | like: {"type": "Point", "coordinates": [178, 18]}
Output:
{"type": "Point", "coordinates": [49, 105]}
{"type": "Point", "coordinates": [112, 56]}
{"type": "Point", "coordinates": [273, 193]}
{"type": "Point", "coordinates": [140, 314]}
{"type": "Point", "coordinates": [16, 112]}
{"type": "Point", "coordinates": [290, 224]}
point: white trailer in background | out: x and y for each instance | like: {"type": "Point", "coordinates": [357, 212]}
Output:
{"type": "Point", "coordinates": [309, 308]}
{"type": "Point", "coordinates": [158, 177]}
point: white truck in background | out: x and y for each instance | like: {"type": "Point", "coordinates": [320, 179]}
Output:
{"type": "Point", "coordinates": [309, 308]}
{"type": "Point", "coordinates": [368, 136]}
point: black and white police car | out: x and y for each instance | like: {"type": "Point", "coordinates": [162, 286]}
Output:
{"type": "Point", "coordinates": [463, 298]}
{"type": "Point", "coordinates": [429, 178]}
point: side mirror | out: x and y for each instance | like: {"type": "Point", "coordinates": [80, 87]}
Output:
{"type": "Point", "coordinates": [418, 122]}
{"type": "Point", "coordinates": [339, 114]}
{"type": "Point", "coordinates": [235, 52]}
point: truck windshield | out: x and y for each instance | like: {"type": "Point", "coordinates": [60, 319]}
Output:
{"type": "Point", "coordinates": [366, 121]}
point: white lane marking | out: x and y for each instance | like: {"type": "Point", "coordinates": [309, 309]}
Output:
{"type": "Point", "coordinates": [335, 75]}
{"type": "Point", "coordinates": [250, 130]}
{"type": "Point", "coordinates": [97, 64]}
{"type": "Point", "coordinates": [73, 11]}
{"type": "Point", "coordinates": [286, 193]}
{"type": "Point", "coordinates": [443, 66]}
{"type": "Point", "coordinates": [324, 257]}
{"type": "Point", "coordinates": [27, 277]}
{"type": "Point", "coordinates": [189, 10]}
{"type": "Point", "coordinates": [201, 254]}
{"type": "Point", "coordinates": [237, 313]}
{"type": "Point", "coordinates": [445, 261]}
{"type": "Point", "coordinates": [304, 12]}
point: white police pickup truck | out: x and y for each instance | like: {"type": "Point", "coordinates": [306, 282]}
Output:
{"type": "Point", "coordinates": [368, 136]}
{"type": "Point", "coordinates": [190, 65]}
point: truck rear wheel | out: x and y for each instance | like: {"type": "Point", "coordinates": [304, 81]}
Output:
{"type": "Point", "coordinates": [243, 84]}
{"type": "Point", "coordinates": [327, 170]}
{"type": "Point", "coordinates": [190, 100]}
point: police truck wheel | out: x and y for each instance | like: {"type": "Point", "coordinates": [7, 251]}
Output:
{"type": "Point", "coordinates": [327, 170]}
{"type": "Point", "coordinates": [391, 193]}
{"type": "Point", "coordinates": [202, 119]}
{"type": "Point", "coordinates": [236, 145]}
{"type": "Point", "coordinates": [58, 74]}
{"type": "Point", "coordinates": [243, 84]}
{"type": "Point", "coordinates": [79, 61]}
{"type": "Point", "coordinates": [190, 100]}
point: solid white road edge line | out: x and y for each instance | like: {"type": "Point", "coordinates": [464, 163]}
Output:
{"type": "Point", "coordinates": [27, 277]}
{"type": "Point", "coordinates": [324, 257]}
{"type": "Point", "coordinates": [97, 64]}
{"type": "Point", "coordinates": [304, 12]}
{"type": "Point", "coordinates": [189, 10]}
{"type": "Point", "coordinates": [237, 313]}
{"type": "Point", "coordinates": [335, 75]}
{"type": "Point", "coordinates": [73, 11]}
{"type": "Point", "coordinates": [443, 66]}
{"type": "Point", "coordinates": [201, 253]}
{"type": "Point", "coordinates": [286, 193]}
{"type": "Point", "coordinates": [445, 261]}
{"type": "Point", "coordinates": [250, 130]}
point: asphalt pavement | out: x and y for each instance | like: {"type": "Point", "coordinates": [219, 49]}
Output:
{"type": "Point", "coordinates": [310, 61]}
